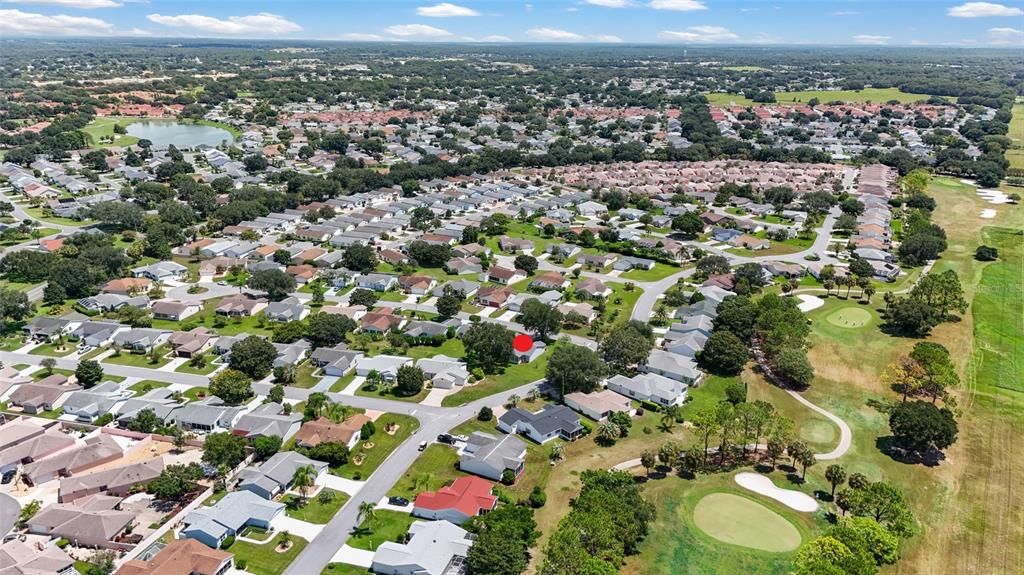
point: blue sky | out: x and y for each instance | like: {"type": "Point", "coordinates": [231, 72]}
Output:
{"type": "Point", "coordinates": [690, 22]}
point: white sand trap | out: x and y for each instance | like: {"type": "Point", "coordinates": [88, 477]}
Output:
{"type": "Point", "coordinates": [988, 214]}
{"type": "Point", "coordinates": [762, 485]}
{"type": "Point", "coordinates": [994, 196]}
{"type": "Point", "coordinates": [809, 302]}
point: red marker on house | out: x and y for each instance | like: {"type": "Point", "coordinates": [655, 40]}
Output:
{"type": "Point", "coordinates": [522, 343]}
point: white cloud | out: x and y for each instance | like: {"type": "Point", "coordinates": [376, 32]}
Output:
{"type": "Point", "coordinates": [678, 5]}
{"type": "Point", "coordinates": [982, 10]}
{"type": "Point", "coordinates": [1006, 36]}
{"type": "Point", "coordinates": [528, 7]}
{"type": "Point", "coordinates": [446, 10]}
{"type": "Point", "coordinates": [606, 38]}
{"type": "Point", "coordinates": [80, 4]}
{"type": "Point", "coordinates": [20, 23]}
{"type": "Point", "coordinates": [699, 34]}
{"type": "Point", "coordinates": [610, 3]}
{"type": "Point", "coordinates": [417, 31]}
{"type": "Point", "coordinates": [262, 24]}
{"type": "Point", "coordinates": [495, 38]}
{"type": "Point", "coordinates": [871, 39]}
{"type": "Point", "coordinates": [845, 13]}
{"type": "Point", "coordinates": [553, 35]}
{"type": "Point", "coordinates": [360, 37]}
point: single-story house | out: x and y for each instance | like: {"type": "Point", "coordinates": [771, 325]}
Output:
{"type": "Point", "coordinates": [175, 310]}
{"type": "Point", "coordinates": [466, 497]}
{"type": "Point", "coordinates": [229, 516]}
{"type": "Point", "coordinates": [551, 422]}
{"type": "Point", "coordinates": [491, 456]}
{"type": "Point", "coordinates": [434, 547]}
{"type": "Point", "coordinates": [598, 405]}
{"type": "Point", "coordinates": [274, 476]}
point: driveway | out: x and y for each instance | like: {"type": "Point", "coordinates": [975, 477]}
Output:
{"type": "Point", "coordinates": [307, 531]}
{"type": "Point", "coordinates": [349, 486]}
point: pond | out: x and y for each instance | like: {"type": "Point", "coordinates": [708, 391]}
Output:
{"type": "Point", "coordinates": [163, 133]}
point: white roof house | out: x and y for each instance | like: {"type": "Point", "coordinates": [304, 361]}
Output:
{"type": "Point", "coordinates": [434, 548]}
{"type": "Point", "coordinates": [650, 387]}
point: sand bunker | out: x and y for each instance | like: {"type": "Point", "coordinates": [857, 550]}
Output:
{"type": "Point", "coordinates": [809, 302]}
{"type": "Point", "coordinates": [988, 214]}
{"type": "Point", "coordinates": [762, 485]}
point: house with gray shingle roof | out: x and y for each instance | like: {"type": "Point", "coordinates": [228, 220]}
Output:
{"type": "Point", "coordinates": [229, 516]}
{"type": "Point", "coordinates": [274, 476]}
{"type": "Point", "coordinates": [490, 456]}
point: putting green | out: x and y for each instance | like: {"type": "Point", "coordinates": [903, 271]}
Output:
{"type": "Point", "coordinates": [741, 521]}
{"type": "Point", "coordinates": [849, 317]}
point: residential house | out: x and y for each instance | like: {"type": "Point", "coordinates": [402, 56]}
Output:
{"type": "Point", "coordinates": [687, 344]}
{"type": "Point", "coordinates": [159, 400]}
{"type": "Point", "coordinates": [490, 456]}
{"type": "Point", "coordinates": [111, 302]}
{"type": "Point", "coordinates": [650, 387]}
{"type": "Point", "coordinates": [377, 282]}
{"type": "Point", "coordinates": [161, 271]}
{"type": "Point", "coordinates": [514, 245]}
{"type": "Point", "coordinates": [240, 305]}
{"type": "Point", "coordinates": [417, 285]}
{"type": "Point", "coordinates": [598, 405]}
{"type": "Point", "coordinates": [289, 309]}
{"type": "Point", "coordinates": [92, 522]}
{"type": "Point", "coordinates": [128, 286]}
{"type": "Point", "coordinates": [465, 287]}
{"type": "Point", "coordinates": [97, 450]}
{"type": "Point", "coordinates": [268, 420]}
{"type": "Point", "coordinates": [444, 372]}
{"type": "Point", "coordinates": [46, 328]}
{"type": "Point", "coordinates": [551, 422]}
{"type": "Point", "coordinates": [538, 349]}
{"type": "Point", "coordinates": [505, 276]}
{"type": "Point", "coordinates": [550, 280]}
{"type": "Point", "coordinates": [207, 415]}
{"type": "Point", "coordinates": [46, 394]}
{"type": "Point", "coordinates": [181, 557]}
{"type": "Point", "coordinates": [18, 558]}
{"type": "Point", "coordinates": [118, 481]}
{"type": "Point", "coordinates": [466, 497]}
{"type": "Point", "coordinates": [493, 296]}
{"type": "Point", "coordinates": [141, 339]}
{"type": "Point", "coordinates": [229, 517]}
{"type": "Point", "coordinates": [23, 441]}
{"type": "Point", "coordinates": [88, 404]}
{"type": "Point", "coordinates": [175, 310]}
{"type": "Point", "coordinates": [593, 288]}
{"type": "Point", "coordinates": [596, 261]}
{"type": "Point", "coordinates": [626, 263]}
{"type": "Point", "coordinates": [191, 343]}
{"type": "Point", "coordinates": [434, 548]}
{"type": "Point", "coordinates": [381, 321]}
{"type": "Point", "coordinates": [386, 365]}
{"type": "Point", "coordinates": [749, 242]}
{"type": "Point", "coordinates": [335, 361]}
{"type": "Point", "coordinates": [466, 265]}
{"type": "Point", "coordinates": [323, 430]}
{"type": "Point", "coordinates": [274, 476]}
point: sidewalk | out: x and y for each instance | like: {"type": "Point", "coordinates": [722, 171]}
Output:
{"type": "Point", "coordinates": [353, 556]}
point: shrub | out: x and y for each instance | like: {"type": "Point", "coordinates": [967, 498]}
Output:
{"type": "Point", "coordinates": [228, 542]}
{"type": "Point", "coordinates": [508, 477]}
{"type": "Point", "coordinates": [241, 564]}
{"type": "Point", "coordinates": [486, 414]}
{"type": "Point", "coordinates": [537, 498]}
{"type": "Point", "coordinates": [367, 431]}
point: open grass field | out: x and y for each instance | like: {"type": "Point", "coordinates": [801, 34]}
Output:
{"type": "Point", "coordinates": [679, 545]}
{"type": "Point", "coordinates": [1015, 155]}
{"type": "Point", "coordinates": [741, 521]}
{"type": "Point", "coordinates": [875, 95]}
{"type": "Point", "coordinates": [384, 526]}
{"type": "Point", "coordinates": [659, 271]}
{"type": "Point", "coordinates": [99, 131]}
{"type": "Point", "coordinates": [40, 215]}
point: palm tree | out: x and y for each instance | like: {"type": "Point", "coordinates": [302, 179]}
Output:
{"type": "Point", "coordinates": [303, 479]}
{"type": "Point", "coordinates": [661, 313]}
{"type": "Point", "coordinates": [534, 395]}
{"type": "Point", "coordinates": [869, 292]}
{"type": "Point", "coordinates": [422, 481]}
{"type": "Point", "coordinates": [670, 416]}
{"type": "Point", "coordinates": [557, 452]}
{"type": "Point", "coordinates": [367, 511]}
{"type": "Point", "coordinates": [513, 400]}
{"type": "Point", "coordinates": [337, 412]}
{"type": "Point", "coordinates": [608, 432]}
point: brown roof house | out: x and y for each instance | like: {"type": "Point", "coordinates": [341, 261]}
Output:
{"type": "Point", "coordinates": [381, 321]}
{"type": "Point", "coordinates": [493, 296]}
{"type": "Point", "coordinates": [181, 557]}
{"type": "Point", "coordinates": [90, 522]}
{"type": "Point", "coordinates": [128, 286]}
{"type": "Point", "coordinates": [118, 481]}
{"type": "Point", "coordinates": [549, 281]}
{"type": "Point", "coordinates": [417, 285]}
{"type": "Point", "coordinates": [241, 305]}
{"type": "Point", "coordinates": [43, 395]}
{"type": "Point", "coordinates": [323, 430]}
{"type": "Point", "coordinates": [192, 342]}
{"type": "Point", "coordinates": [505, 276]}
{"type": "Point", "coordinates": [593, 288]}
{"type": "Point", "coordinates": [175, 310]}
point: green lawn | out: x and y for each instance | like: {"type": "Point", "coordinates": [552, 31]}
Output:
{"type": "Point", "coordinates": [43, 373]}
{"type": "Point", "coordinates": [205, 370]}
{"type": "Point", "coordinates": [304, 377]}
{"type": "Point", "coordinates": [344, 569]}
{"type": "Point", "coordinates": [379, 392]}
{"type": "Point", "coordinates": [514, 376]}
{"type": "Point", "coordinates": [383, 444]}
{"type": "Point", "coordinates": [40, 214]}
{"type": "Point", "coordinates": [998, 325]}
{"type": "Point", "coordinates": [146, 385]}
{"type": "Point", "coordinates": [451, 347]}
{"type": "Point", "coordinates": [660, 271]}
{"type": "Point", "coordinates": [313, 511]}
{"type": "Point", "coordinates": [436, 467]}
{"type": "Point", "coordinates": [101, 128]}
{"type": "Point", "coordinates": [675, 545]}
{"type": "Point", "coordinates": [1015, 155]}
{"type": "Point", "coordinates": [141, 359]}
{"type": "Point", "coordinates": [26, 238]}
{"type": "Point", "coordinates": [50, 349]}
{"type": "Point", "coordinates": [264, 559]}
{"type": "Point", "coordinates": [254, 325]}
{"type": "Point", "coordinates": [342, 383]}
{"type": "Point", "coordinates": [876, 95]}
{"type": "Point", "coordinates": [384, 526]}
{"type": "Point", "coordinates": [253, 532]}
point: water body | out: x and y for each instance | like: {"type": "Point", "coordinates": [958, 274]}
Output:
{"type": "Point", "coordinates": [163, 133]}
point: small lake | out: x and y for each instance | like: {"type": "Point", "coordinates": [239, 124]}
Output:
{"type": "Point", "coordinates": [163, 133]}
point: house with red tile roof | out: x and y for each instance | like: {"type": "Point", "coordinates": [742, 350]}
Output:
{"type": "Point", "coordinates": [466, 497]}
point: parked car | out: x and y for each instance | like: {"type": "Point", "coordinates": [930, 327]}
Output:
{"type": "Point", "coordinates": [423, 445]}
{"type": "Point", "coordinates": [446, 438]}
{"type": "Point", "coordinates": [399, 501]}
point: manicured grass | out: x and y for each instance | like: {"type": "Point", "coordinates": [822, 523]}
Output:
{"type": "Point", "coordinates": [254, 325]}
{"type": "Point", "coordinates": [659, 271]}
{"type": "Point", "coordinates": [11, 343]}
{"type": "Point", "coordinates": [874, 95]}
{"type": "Point", "coordinates": [436, 467]}
{"type": "Point", "coordinates": [451, 347]}
{"type": "Point", "coordinates": [514, 376]}
{"type": "Point", "coordinates": [304, 377]}
{"type": "Point", "coordinates": [390, 296]}
{"type": "Point", "coordinates": [40, 214]}
{"type": "Point", "coordinates": [537, 468]}
{"type": "Point", "coordinates": [205, 370]}
{"type": "Point", "coordinates": [737, 520]}
{"type": "Point", "coordinates": [101, 128]}
{"type": "Point", "coordinates": [379, 392]}
{"type": "Point", "coordinates": [141, 359]}
{"type": "Point", "coordinates": [998, 323]}
{"type": "Point", "coordinates": [344, 569]}
{"type": "Point", "coordinates": [849, 317]}
{"type": "Point", "coordinates": [43, 373]}
{"type": "Point", "coordinates": [384, 526]}
{"type": "Point", "coordinates": [50, 349]}
{"type": "Point", "coordinates": [28, 238]}
{"type": "Point", "coordinates": [1015, 155]}
{"type": "Point", "coordinates": [383, 444]}
{"type": "Point", "coordinates": [342, 383]}
{"type": "Point", "coordinates": [146, 385]}
{"type": "Point", "coordinates": [675, 544]}
{"type": "Point", "coordinates": [263, 559]}
{"type": "Point", "coordinates": [312, 510]}
{"type": "Point", "coordinates": [257, 533]}
{"type": "Point", "coordinates": [197, 393]}
{"type": "Point", "coordinates": [724, 99]}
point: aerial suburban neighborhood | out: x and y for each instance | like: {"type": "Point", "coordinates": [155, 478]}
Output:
{"type": "Point", "coordinates": [418, 301]}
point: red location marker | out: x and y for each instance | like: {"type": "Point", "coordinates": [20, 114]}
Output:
{"type": "Point", "coordinates": [522, 343]}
